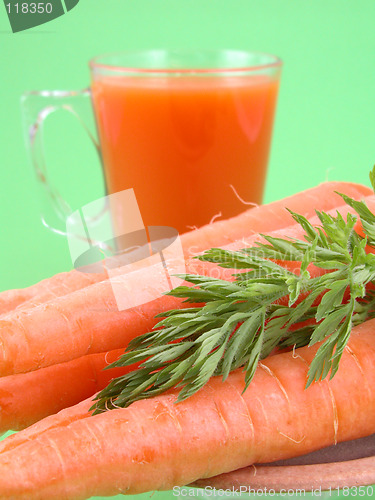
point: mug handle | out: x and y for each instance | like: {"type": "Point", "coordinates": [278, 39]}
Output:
{"type": "Point", "coordinates": [36, 107]}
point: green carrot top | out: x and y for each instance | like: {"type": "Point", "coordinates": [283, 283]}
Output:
{"type": "Point", "coordinates": [241, 322]}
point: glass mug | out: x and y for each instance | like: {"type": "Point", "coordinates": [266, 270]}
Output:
{"type": "Point", "coordinates": [188, 131]}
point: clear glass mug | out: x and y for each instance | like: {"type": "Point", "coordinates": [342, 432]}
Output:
{"type": "Point", "coordinates": [188, 131]}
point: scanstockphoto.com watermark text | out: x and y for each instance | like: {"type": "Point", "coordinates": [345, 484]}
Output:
{"type": "Point", "coordinates": [210, 491]}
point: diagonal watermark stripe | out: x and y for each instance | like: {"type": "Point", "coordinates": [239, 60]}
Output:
{"type": "Point", "coordinates": [26, 14]}
{"type": "Point", "coordinates": [108, 236]}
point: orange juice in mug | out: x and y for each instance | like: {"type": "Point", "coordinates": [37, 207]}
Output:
{"type": "Point", "coordinates": [189, 131]}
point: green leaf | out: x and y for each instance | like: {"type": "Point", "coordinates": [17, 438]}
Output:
{"type": "Point", "coordinates": [254, 356]}
{"type": "Point", "coordinates": [372, 177]}
{"type": "Point", "coordinates": [240, 340]}
{"type": "Point", "coordinates": [331, 299]}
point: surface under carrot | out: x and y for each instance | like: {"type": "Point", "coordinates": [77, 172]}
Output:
{"type": "Point", "coordinates": [29, 397]}
{"type": "Point", "coordinates": [88, 321]}
{"type": "Point", "coordinates": [156, 444]}
{"type": "Point", "coordinates": [263, 218]}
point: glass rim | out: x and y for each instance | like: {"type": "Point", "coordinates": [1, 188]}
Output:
{"type": "Point", "coordinates": [96, 64]}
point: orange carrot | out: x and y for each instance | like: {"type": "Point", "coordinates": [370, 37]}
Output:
{"type": "Point", "coordinates": [263, 218]}
{"type": "Point", "coordinates": [26, 398]}
{"type": "Point", "coordinates": [47, 289]}
{"type": "Point", "coordinates": [156, 444]}
{"type": "Point", "coordinates": [87, 321]}
{"type": "Point", "coordinates": [29, 397]}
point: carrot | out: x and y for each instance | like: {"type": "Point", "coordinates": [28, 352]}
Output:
{"type": "Point", "coordinates": [27, 398]}
{"type": "Point", "coordinates": [88, 321]}
{"type": "Point", "coordinates": [82, 322]}
{"type": "Point", "coordinates": [155, 444]}
{"type": "Point", "coordinates": [343, 473]}
{"type": "Point", "coordinates": [47, 289]}
{"type": "Point", "coordinates": [262, 218]}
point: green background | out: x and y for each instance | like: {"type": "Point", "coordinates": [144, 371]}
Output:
{"type": "Point", "coordinates": [325, 124]}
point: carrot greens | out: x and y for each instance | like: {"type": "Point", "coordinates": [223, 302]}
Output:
{"type": "Point", "coordinates": [268, 305]}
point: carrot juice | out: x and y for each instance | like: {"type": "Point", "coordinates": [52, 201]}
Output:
{"type": "Point", "coordinates": [192, 148]}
